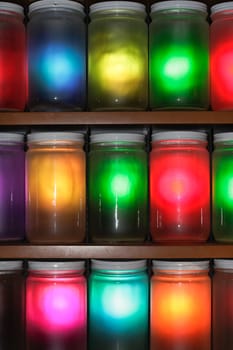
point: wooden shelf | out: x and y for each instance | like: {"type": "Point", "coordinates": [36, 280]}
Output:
{"type": "Point", "coordinates": [116, 118]}
{"type": "Point", "coordinates": [124, 251]}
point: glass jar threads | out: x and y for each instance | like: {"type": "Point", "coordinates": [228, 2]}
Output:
{"type": "Point", "coordinates": [12, 187]}
{"type": "Point", "coordinates": [179, 55]}
{"type": "Point", "coordinates": [223, 304]}
{"type": "Point", "coordinates": [179, 186]}
{"type": "Point", "coordinates": [56, 188]}
{"type": "Point", "coordinates": [180, 305]}
{"type": "Point", "coordinates": [56, 56]}
{"type": "Point", "coordinates": [118, 305]}
{"type": "Point", "coordinates": [117, 187]}
{"type": "Point", "coordinates": [12, 58]}
{"type": "Point", "coordinates": [222, 187]}
{"type": "Point", "coordinates": [56, 305]}
{"type": "Point", "coordinates": [12, 315]}
{"type": "Point", "coordinates": [221, 55]}
{"type": "Point", "coordinates": [118, 56]}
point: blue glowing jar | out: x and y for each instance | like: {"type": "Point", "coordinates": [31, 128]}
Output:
{"type": "Point", "coordinates": [118, 305]}
{"type": "Point", "coordinates": [56, 56]}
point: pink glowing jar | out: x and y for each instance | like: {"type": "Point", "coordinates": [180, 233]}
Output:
{"type": "Point", "coordinates": [56, 312]}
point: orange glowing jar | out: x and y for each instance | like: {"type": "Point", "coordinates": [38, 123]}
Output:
{"type": "Point", "coordinates": [55, 187]}
{"type": "Point", "coordinates": [180, 305]}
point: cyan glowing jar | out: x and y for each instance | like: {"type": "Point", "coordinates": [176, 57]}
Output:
{"type": "Point", "coordinates": [221, 56]}
{"type": "Point", "coordinates": [118, 187]}
{"type": "Point", "coordinates": [12, 301]}
{"type": "Point", "coordinates": [55, 188]}
{"type": "Point", "coordinates": [179, 186]}
{"type": "Point", "coordinates": [179, 55]}
{"type": "Point", "coordinates": [12, 187]}
{"type": "Point", "coordinates": [56, 56]}
{"type": "Point", "coordinates": [222, 304]}
{"type": "Point", "coordinates": [117, 56]}
{"type": "Point", "coordinates": [222, 187]}
{"type": "Point", "coordinates": [56, 306]}
{"type": "Point", "coordinates": [180, 314]}
{"type": "Point", "coordinates": [13, 57]}
{"type": "Point", "coordinates": [118, 305]}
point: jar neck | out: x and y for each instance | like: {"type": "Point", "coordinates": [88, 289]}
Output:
{"type": "Point", "coordinates": [185, 143]}
{"type": "Point", "coordinates": [55, 144]}
{"type": "Point", "coordinates": [55, 273]}
{"type": "Point", "coordinates": [180, 273]}
{"type": "Point", "coordinates": [222, 15]}
{"type": "Point", "coordinates": [122, 13]}
{"type": "Point", "coordinates": [117, 145]}
{"type": "Point", "coordinates": [179, 12]}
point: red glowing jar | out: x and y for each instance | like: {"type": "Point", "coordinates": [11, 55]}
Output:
{"type": "Point", "coordinates": [56, 306]}
{"type": "Point", "coordinates": [179, 186]}
{"type": "Point", "coordinates": [12, 58]}
{"type": "Point", "coordinates": [221, 56]}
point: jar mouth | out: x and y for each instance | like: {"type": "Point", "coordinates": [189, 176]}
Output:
{"type": "Point", "coordinates": [55, 5]}
{"type": "Point", "coordinates": [11, 137]}
{"type": "Point", "coordinates": [224, 6]}
{"type": "Point", "coordinates": [11, 265]}
{"type": "Point", "coordinates": [11, 7]}
{"type": "Point", "coordinates": [180, 266]}
{"type": "Point", "coordinates": [117, 6]}
{"type": "Point", "coordinates": [117, 137]}
{"type": "Point", "coordinates": [224, 264]}
{"type": "Point", "coordinates": [56, 265]}
{"type": "Point", "coordinates": [179, 5]}
{"type": "Point", "coordinates": [51, 137]}
{"type": "Point", "coordinates": [110, 265]}
{"type": "Point", "coordinates": [223, 136]}
{"type": "Point", "coordinates": [179, 135]}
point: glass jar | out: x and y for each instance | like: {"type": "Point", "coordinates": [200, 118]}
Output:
{"type": "Point", "coordinates": [179, 186]}
{"type": "Point", "coordinates": [118, 305]}
{"type": "Point", "coordinates": [179, 55]}
{"type": "Point", "coordinates": [12, 58]}
{"type": "Point", "coordinates": [221, 55]}
{"type": "Point", "coordinates": [180, 305]}
{"type": "Point", "coordinates": [222, 187]}
{"type": "Point", "coordinates": [56, 56]}
{"type": "Point", "coordinates": [12, 187]}
{"type": "Point", "coordinates": [56, 305]}
{"type": "Point", "coordinates": [117, 56]}
{"type": "Point", "coordinates": [223, 304]}
{"type": "Point", "coordinates": [56, 188]}
{"type": "Point", "coordinates": [12, 302]}
{"type": "Point", "coordinates": [117, 187]}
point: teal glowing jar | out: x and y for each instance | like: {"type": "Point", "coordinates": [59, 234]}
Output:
{"type": "Point", "coordinates": [179, 55]}
{"type": "Point", "coordinates": [222, 183]}
{"type": "Point", "coordinates": [118, 305]}
{"type": "Point", "coordinates": [118, 188]}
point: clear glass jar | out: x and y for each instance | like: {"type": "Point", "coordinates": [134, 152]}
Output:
{"type": "Point", "coordinates": [56, 56]}
{"type": "Point", "coordinates": [179, 186]}
{"type": "Point", "coordinates": [118, 305]}
{"type": "Point", "coordinates": [56, 311]}
{"type": "Point", "coordinates": [221, 56]}
{"type": "Point", "coordinates": [56, 188]}
{"type": "Point", "coordinates": [12, 187]}
{"type": "Point", "coordinates": [12, 301]}
{"type": "Point", "coordinates": [223, 304]}
{"type": "Point", "coordinates": [222, 187]}
{"type": "Point", "coordinates": [118, 187]}
{"type": "Point", "coordinates": [180, 305]}
{"type": "Point", "coordinates": [179, 55]}
{"type": "Point", "coordinates": [13, 58]}
{"type": "Point", "coordinates": [117, 56]}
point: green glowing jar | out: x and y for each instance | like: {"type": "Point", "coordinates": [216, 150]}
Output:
{"type": "Point", "coordinates": [222, 183]}
{"type": "Point", "coordinates": [118, 188]}
{"type": "Point", "coordinates": [179, 55]}
{"type": "Point", "coordinates": [118, 305]}
{"type": "Point", "coordinates": [117, 56]}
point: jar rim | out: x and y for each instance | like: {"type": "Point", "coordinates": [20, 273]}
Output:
{"type": "Point", "coordinates": [179, 5]}
{"type": "Point", "coordinates": [8, 265]}
{"type": "Point", "coordinates": [11, 137]}
{"type": "Point", "coordinates": [35, 265]}
{"type": "Point", "coordinates": [117, 5]}
{"type": "Point", "coordinates": [223, 136]}
{"type": "Point", "coordinates": [179, 135]}
{"type": "Point", "coordinates": [224, 6]}
{"type": "Point", "coordinates": [180, 265]}
{"type": "Point", "coordinates": [56, 5]}
{"type": "Point", "coordinates": [11, 7]}
{"type": "Point", "coordinates": [223, 264]}
{"type": "Point", "coordinates": [118, 265]}
{"type": "Point", "coordinates": [117, 137]}
{"type": "Point", "coordinates": [55, 136]}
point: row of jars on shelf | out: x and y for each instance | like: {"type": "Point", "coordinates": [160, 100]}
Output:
{"type": "Point", "coordinates": [121, 185]}
{"type": "Point", "coordinates": [102, 64]}
{"type": "Point", "coordinates": [127, 307]}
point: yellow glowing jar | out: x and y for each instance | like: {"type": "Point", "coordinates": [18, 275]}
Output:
{"type": "Point", "coordinates": [117, 56]}
{"type": "Point", "coordinates": [56, 187]}
{"type": "Point", "coordinates": [180, 305]}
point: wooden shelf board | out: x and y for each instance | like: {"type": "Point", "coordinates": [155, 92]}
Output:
{"type": "Point", "coordinates": [115, 118]}
{"type": "Point", "coordinates": [146, 251]}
